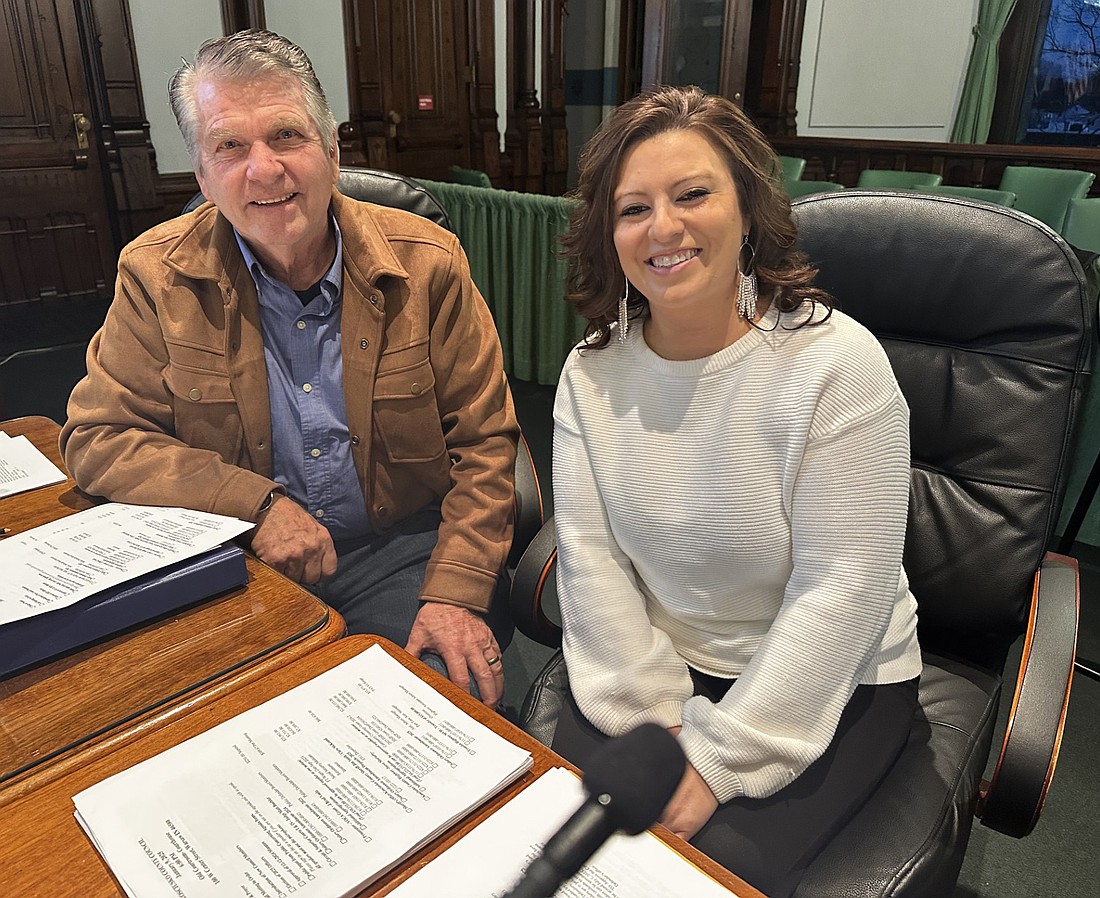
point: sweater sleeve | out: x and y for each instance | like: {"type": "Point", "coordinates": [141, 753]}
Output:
{"type": "Point", "coordinates": [636, 677]}
{"type": "Point", "coordinates": [848, 517]}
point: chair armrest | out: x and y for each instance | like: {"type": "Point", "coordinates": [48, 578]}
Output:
{"type": "Point", "coordinates": [1012, 801]}
{"type": "Point", "coordinates": [527, 509]}
{"type": "Point", "coordinates": [531, 575]}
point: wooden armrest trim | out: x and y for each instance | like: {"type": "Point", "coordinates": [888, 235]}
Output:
{"type": "Point", "coordinates": [530, 577]}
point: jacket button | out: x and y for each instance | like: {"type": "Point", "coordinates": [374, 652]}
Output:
{"type": "Point", "coordinates": [354, 440]}
{"type": "Point", "coordinates": [363, 344]}
{"type": "Point", "coordinates": [195, 395]}
{"type": "Point", "coordinates": [373, 300]}
{"type": "Point", "coordinates": [416, 388]}
{"type": "Point", "coordinates": [381, 509]}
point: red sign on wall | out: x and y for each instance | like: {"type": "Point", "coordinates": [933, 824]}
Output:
{"type": "Point", "coordinates": [425, 102]}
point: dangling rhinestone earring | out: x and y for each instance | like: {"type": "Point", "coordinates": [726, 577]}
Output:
{"type": "Point", "coordinates": [746, 283]}
{"type": "Point", "coordinates": [623, 323]}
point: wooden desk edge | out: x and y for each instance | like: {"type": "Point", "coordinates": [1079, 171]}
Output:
{"type": "Point", "coordinates": [330, 629]}
{"type": "Point", "coordinates": [74, 851]}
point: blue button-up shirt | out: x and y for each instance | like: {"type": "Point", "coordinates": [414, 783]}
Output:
{"type": "Point", "coordinates": [309, 424]}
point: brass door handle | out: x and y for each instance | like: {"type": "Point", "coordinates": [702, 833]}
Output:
{"type": "Point", "coordinates": [83, 125]}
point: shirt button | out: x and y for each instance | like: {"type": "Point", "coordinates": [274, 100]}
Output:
{"type": "Point", "coordinates": [315, 452]}
{"type": "Point", "coordinates": [301, 325]}
{"type": "Point", "coordinates": [195, 395]}
{"type": "Point", "coordinates": [416, 388]}
{"type": "Point", "coordinates": [319, 513]}
{"type": "Point", "coordinates": [307, 388]}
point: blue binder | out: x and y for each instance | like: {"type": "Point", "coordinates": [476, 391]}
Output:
{"type": "Point", "coordinates": [33, 640]}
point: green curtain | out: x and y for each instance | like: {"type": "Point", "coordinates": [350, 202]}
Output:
{"type": "Point", "coordinates": [511, 241]}
{"type": "Point", "coordinates": [980, 88]}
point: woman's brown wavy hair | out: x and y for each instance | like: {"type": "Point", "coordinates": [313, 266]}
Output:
{"type": "Point", "coordinates": [596, 281]}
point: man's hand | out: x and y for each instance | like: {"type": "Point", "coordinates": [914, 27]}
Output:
{"type": "Point", "coordinates": [291, 541]}
{"type": "Point", "coordinates": [692, 804]}
{"type": "Point", "coordinates": [465, 643]}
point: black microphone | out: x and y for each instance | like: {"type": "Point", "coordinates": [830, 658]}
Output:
{"type": "Point", "coordinates": [629, 780]}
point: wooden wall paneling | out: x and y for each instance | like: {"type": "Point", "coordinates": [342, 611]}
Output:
{"type": "Point", "coordinates": [973, 165]}
{"type": "Point", "coordinates": [485, 145]}
{"type": "Point", "coordinates": [55, 219]}
{"type": "Point", "coordinates": [410, 99]}
{"type": "Point", "coordinates": [120, 113]}
{"type": "Point", "coordinates": [772, 65]}
{"type": "Point", "coordinates": [555, 132]}
{"type": "Point", "coordinates": [523, 136]}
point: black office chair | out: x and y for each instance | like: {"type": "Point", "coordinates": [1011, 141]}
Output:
{"type": "Point", "coordinates": [989, 325]}
{"type": "Point", "coordinates": [399, 192]}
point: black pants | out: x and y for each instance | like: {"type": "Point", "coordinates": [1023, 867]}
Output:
{"type": "Point", "coordinates": [768, 842]}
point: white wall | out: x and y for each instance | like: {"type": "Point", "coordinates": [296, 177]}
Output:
{"type": "Point", "coordinates": [318, 28]}
{"type": "Point", "coordinates": [885, 70]}
{"type": "Point", "coordinates": [163, 34]}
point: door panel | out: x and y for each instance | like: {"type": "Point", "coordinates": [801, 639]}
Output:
{"type": "Point", "coordinates": [412, 85]}
{"type": "Point", "coordinates": [55, 236]}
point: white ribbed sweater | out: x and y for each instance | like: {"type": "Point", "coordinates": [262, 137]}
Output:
{"type": "Point", "coordinates": [744, 514]}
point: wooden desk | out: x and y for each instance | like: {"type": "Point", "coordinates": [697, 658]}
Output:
{"type": "Point", "coordinates": [147, 676]}
{"type": "Point", "coordinates": [45, 852]}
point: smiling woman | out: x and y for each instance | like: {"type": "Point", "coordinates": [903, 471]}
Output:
{"type": "Point", "coordinates": [731, 479]}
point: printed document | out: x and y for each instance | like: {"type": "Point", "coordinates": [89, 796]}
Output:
{"type": "Point", "coordinates": [23, 466]}
{"type": "Point", "coordinates": [317, 792]}
{"type": "Point", "coordinates": [488, 860]}
{"type": "Point", "coordinates": [69, 559]}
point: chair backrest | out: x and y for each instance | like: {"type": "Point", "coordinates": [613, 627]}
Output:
{"type": "Point", "coordinates": [889, 179]}
{"type": "Point", "coordinates": [791, 167]}
{"type": "Point", "coordinates": [1082, 225]}
{"type": "Point", "coordinates": [796, 189]}
{"type": "Point", "coordinates": [381, 187]}
{"type": "Point", "coordinates": [985, 194]}
{"type": "Point", "coordinates": [1044, 193]}
{"type": "Point", "coordinates": [988, 323]}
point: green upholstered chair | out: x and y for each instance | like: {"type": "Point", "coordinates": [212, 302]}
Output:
{"type": "Point", "coordinates": [792, 167]}
{"type": "Point", "coordinates": [985, 194]}
{"type": "Point", "coordinates": [796, 189]}
{"type": "Point", "coordinates": [889, 179]}
{"type": "Point", "coordinates": [1044, 193]}
{"type": "Point", "coordinates": [1081, 227]}
{"type": "Point", "coordinates": [469, 176]}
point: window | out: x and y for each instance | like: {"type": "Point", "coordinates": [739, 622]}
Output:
{"type": "Point", "coordinates": [1063, 103]}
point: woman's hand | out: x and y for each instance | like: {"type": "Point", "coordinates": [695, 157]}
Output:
{"type": "Point", "coordinates": [692, 803]}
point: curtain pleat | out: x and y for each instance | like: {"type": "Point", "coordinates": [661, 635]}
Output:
{"type": "Point", "coordinates": [511, 241]}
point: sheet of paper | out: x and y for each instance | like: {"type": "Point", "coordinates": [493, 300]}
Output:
{"type": "Point", "coordinates": [315, 793]}
{"type": "Point", "coordinates": [23, 466]}
{"type": "Point", "coordinates": [67, 560]}
{"type": "Point", "coordinates": [490, 858]}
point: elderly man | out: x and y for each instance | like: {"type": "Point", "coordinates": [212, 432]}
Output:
{"type": "Point", "coordinates": [323, 367]}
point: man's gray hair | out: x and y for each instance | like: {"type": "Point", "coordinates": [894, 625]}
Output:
{"type": "Point", "coordinates": [241, 57]}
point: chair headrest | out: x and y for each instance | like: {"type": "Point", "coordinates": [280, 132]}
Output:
{"type": "Point", "coordinates": [382, 187]}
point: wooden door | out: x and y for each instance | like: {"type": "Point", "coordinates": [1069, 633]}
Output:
{"type": "Point", "coordinates": [55, 231]}
{"type": "Point", "coordinates": [410, 77]}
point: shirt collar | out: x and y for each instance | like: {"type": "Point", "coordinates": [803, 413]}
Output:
{"type": "Point", "coordinates": [331, 282]}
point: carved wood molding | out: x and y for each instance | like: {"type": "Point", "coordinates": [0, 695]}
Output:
{"type": "Point", "coordinates": [973, 165]}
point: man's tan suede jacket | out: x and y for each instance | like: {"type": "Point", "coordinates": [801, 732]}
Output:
{"type": "Point", "coordinates": [174, 409]}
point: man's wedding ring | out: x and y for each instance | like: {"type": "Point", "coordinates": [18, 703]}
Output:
{"type": "Point", "coordinates": [494, 660]}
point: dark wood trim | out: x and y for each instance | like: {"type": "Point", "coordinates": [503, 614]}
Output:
{"type": "Point", "coordinates": [237, 15]}
{"type": "Point", "coordinates": [174, 191]}
{"type": "Point", "coordinates": [555, 132]}
{"type": "Point", "coordinates": [975, 165]}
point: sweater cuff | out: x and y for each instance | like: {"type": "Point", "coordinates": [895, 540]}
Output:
{"type": "Point", "coordinates": [701, 754]}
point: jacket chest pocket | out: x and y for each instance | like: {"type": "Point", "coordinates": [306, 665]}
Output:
{"type": "Point", "coordinates": [205, 411]}
{"type": "Point", "coordinates": [406, 416]}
